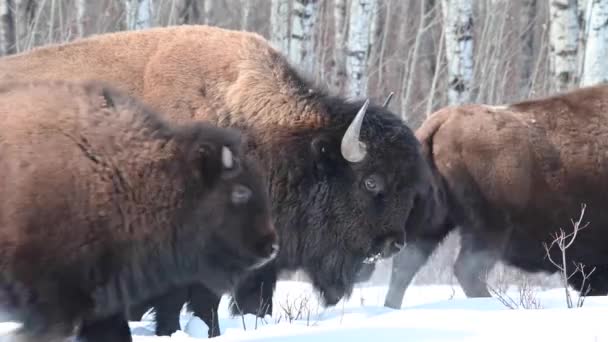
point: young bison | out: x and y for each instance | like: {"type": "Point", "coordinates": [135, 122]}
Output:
{"type": "Point", "coordinates": [344, 177]}
{"type": "Point", "coordinates": [104, 204]}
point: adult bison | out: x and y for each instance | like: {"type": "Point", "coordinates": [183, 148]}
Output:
{"type": "Point", "coordinates": [343, 176]}
{"type": "Point", "coordinates": [105, 204]}
{"type": "Point", "coordinates": [514, 175]}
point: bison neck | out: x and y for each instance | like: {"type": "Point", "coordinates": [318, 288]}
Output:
{"type": "Point", "coordinates": [153, 270]}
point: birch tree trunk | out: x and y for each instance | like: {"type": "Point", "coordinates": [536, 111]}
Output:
{"type": "Point", "coordinates": [527, 24]}
{"type": "Point", "coordinates": [24, 15]}
{"type": "Point", "coordinates": [7, 27]}
{"type": "Point", "coordinates": [245, 9]}
{"type": "Point", "coordinates": [340, 28]}
{"type": "Point", "coordinates": [207, 7]}
{"type": "Point", "coordinates": [564, 41]}
{"type": "Point", "coordinates": [458, 28]}
{"type": "Point", "coordinates": [362, 14]}
{"type": "Point", "coordinates": [595, 69]}
{"type": "Point", "coordinates": [139, 14]}
{"type": "Point", "coordinates": [81, 6]}
{"type": "Point", "coordinates": [279, 25]}
{"type": "Point", "coordinates": [301, 42]}
{"type": "Point", "coordinates": [190, 12]}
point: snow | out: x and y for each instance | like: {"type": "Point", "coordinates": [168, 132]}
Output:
{"type": "Point", "coordinates": [429, 313]}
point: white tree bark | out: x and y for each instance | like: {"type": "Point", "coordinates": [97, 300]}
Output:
{"type": "Point", "coordinates": [340, 28]}
{"type": "Point", "coordinates": [564, 41]}
{"type": "Point", "coordinates": [7, 27]}
{"type": "Point", "coordinates": [25, 13]}
{"type": "Point", "coordinates": [595, 69]}
{"type": "Point", "coordinates": [139, 14]}
{"type": "Point", "coordinates": [207, 7]}
{"type": "Point", "coordinates": [301, 43]}
{"type": "Point", "coordinates": [527, 24]}
{"type": "Point", "coordinates": [245, 12]}
{"type": "Point", "coordinates": [362, 14]}
{"type": "Point", "coordinates": [81, 7]}
{"type": "Point", "coordinates": [279, 25]}
{"type": "Point", "coordinates": [458, 28]}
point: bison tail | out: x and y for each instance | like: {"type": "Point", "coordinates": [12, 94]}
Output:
{"type": "Point", "coordinates": [426, 132]}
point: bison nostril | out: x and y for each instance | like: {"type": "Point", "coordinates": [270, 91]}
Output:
{"type": "Point", "coordinates": [267, 247]}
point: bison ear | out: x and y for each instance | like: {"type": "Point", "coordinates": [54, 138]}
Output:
{"type": "Point", "coordinates": [325, 154]}
{"type": "Point", "coordinates": [206, 157]}
{"type": "Point", "coordinates": [218, 161]}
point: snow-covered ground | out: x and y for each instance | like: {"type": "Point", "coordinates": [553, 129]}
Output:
{"type": "Point", "coordinates": [429, 313]}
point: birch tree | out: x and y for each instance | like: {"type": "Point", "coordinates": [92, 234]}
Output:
{"type": "Point", "coordinates": [595, 67]}
{"type": "Point", "coordinates": [139, 14]}
{"type": "Point", "coordinates": [189, 12]}
{"type": "Point", "coordinates": [245, 10]}
{"type": "Point", "coordinates": [458, 28]}
{"type": "Point", "coordinates": [527, 24]}
{"type": "Point", "coordinates": [24, 15]}
{"type": "Point", "coordinates": [564, 42]}
{"type": "Point", "coordinates": [362, 14]}
{"type": "Point", "coordinates": [81, 6]}
{"type": "Point", "coordinates": [207, 7]}
{"type": "Point", "coordinates": [301, 43]}
{"type": "Point", "coordinates": [279, 25]}
{"type": "Point", "coordinates": [7, 27]}
{"type": "Point", "coordinates": [340, 27]}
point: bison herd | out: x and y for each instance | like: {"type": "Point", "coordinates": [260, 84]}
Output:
{"type": "Point", "coordinates": [153, 168]}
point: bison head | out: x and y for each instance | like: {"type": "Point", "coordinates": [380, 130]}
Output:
{"type": "Point", "coordinates": [341, 196]}
{"type": "Point", "coordinates": [231, 226]}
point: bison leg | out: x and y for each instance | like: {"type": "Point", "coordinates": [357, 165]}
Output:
{"type": "Point", "coordinates": [405, 266]}
{"type": "Point", "coordinates": [472, 265]}
{"type": "Point", "coordinates": [253, 295]}
{"type": "Point", "coordinates": [114, 328]}
{"type": "Point", "coordinates": [136, 312]}
{"type": "Point", "coordinates": [204, 304]}
{"type": "Point", "coordinates": [167, 309]}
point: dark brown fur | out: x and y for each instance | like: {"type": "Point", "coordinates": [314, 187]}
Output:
{"type": "Point", "coordinates": [514, 176]}
{"type": "Point", "coordinates": [105, 204]}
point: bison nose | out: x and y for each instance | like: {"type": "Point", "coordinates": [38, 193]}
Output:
{"type": "Point", "coordinates": [392, 246]}
{"type": "Point", "coordinates": [384, 247]}
{"type": "Point", "coordinates": [267, 247]}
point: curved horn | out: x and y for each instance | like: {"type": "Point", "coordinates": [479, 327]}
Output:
{"type": "Point", "coordinates": [227, 160]}
{"type": "Point", "coordinates": [388, 99]}
{"type": "Point", "coordinates": [352, 148]}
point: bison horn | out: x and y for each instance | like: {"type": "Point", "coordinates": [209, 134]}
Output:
{"type": "Point", "coordinates": [388, 99]}
{"type": "Point", "coordinates": [227, 160]}
{"type": "Point", "coordinates": [352, 148]}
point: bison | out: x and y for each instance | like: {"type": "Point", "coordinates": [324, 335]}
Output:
{"type": "Point", "coordinates": [105, 204]}
{"type": "Point", "coordinates": [514, 175]}
{"type": "Point", "coordinates": [344, 176]}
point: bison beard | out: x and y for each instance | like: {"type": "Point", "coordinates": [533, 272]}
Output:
{"type": "Point", "coordinates": [105, 205]}
{"type": "Point", "coordinates": [514, 176]}
{"type": "Point", "coordinates": [341, 184]}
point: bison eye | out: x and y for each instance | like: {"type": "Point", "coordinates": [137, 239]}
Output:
{"type": "Point", "coordinates": [240, 194]}
{"type": "Point", "coordinates": [374, 184]}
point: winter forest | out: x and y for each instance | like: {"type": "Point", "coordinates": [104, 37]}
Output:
{"type": "Point", "coordinates": [429, 54]}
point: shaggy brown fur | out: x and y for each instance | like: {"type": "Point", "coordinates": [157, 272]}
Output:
{"type": "Point", "coordinates": [184, 72]}
{"type": "Point", "coordinates": [515, 175]}
{"type": "Point", "coordinates": [105, 204]}
{"type": "Point", "coordinates": [331, 214]}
